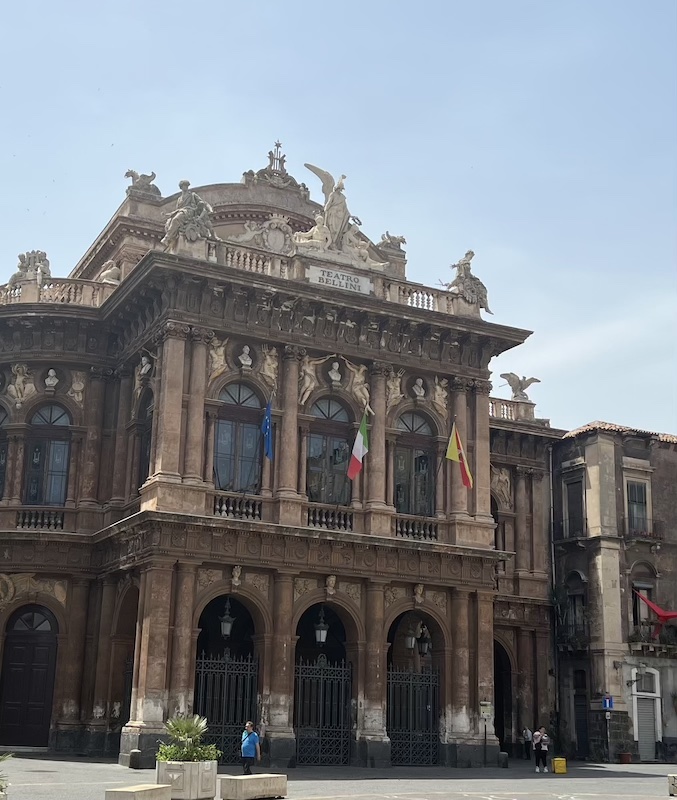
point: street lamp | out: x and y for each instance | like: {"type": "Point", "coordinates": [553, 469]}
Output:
{"type": "Point", "coordinates": [410, 640]}
{"type": "Point", "coordinates": [321, 629]}
{"type": "Point", "coordinates": [226, 621]}
{"type": "Point", "coordinates": [424, 641]}
{"type": "Point", "coordinates": [641, 672]}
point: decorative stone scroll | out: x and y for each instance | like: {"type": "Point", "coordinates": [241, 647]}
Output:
{"type": "Point", "coordinates": [16, 586]}
{"type": "Point", "coordinates": [206, 577]}
{"type": "Point", "coordinates": [303, 586]}
{"type": "Point", "coordinates": [352, 590]}
{"type": "Point", "coordinates": [393, 594]}
{"type": "Point", "coordinates": [259, 580]}
{"type": "Point", "coordinates": [438, 599]}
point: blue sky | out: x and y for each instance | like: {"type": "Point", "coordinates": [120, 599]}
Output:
{"type": "Point", "coordinates": [542, 135]}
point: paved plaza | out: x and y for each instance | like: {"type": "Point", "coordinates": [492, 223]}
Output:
{"type": "Point", "coordinates": [50, 778]}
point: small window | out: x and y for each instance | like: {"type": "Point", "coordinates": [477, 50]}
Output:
{"type": "Point", "coordinates": [31, 621]}
{"type": "Point", "coordinates": [237, 394]}
{"type": "Point", "coordinates": [646, 683]}
{"type": "Point", "coordinates": [414, 423]}
{"type": "Point", "coordinates": [51, 415]}
{"type": "Point", "coordinates": [329, 409]}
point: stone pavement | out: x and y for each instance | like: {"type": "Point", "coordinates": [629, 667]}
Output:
{"type": "Point", "coordinates": [55, 778]}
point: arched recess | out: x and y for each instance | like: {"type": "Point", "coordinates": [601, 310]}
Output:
{"type": "Point", "coordinates": [28, 673]}
{"type": "Point", "coordinates": [416, 693]}
{"type": "Point", "coordinates": [122, 654]}
{"type": "Point", "coordinates": [254, 602]}
{"type": "Point", "coordinates": [503, 697]}
{"type": "Point", "coordinates": [227, 670]}
{"type": "Point", "coordinates": [346, 610]}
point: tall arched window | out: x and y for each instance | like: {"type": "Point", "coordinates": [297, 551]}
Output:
{"type": "Point", "coordinates": [3, 451]}
{"type": "Point", "coordinates": [48, 457]}
{"type": "Point", "coordinates": [414, 466]}
{"type": "Point", "coordinates": [328, 454]}
{"type": "Point", "coordinates": [238, 441]}
{"type": "Point", "coordinates": [145, 432]}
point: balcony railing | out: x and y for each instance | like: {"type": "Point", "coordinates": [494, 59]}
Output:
{"type": "Point", "coordinates": [410, 527]}
{"type": "Point", "coordinates": [642, 528]}
{"type": "Point", "coordinates": [237, 506]}
{"type": "Point", "coordinates": [66, 291]}
{"type": "Point", "coordinates": [334, 518]}
{"type": "Point", "coordinates": [575, 635]}
{"type": "Point", "coordinates": [571, 528]}
{"type": "Point", "coordinates": [40, 519]}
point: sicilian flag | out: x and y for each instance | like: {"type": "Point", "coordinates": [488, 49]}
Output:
{"type": "Point", "coordinates": [455, 452]}
{"type": "Point", "coordinates": [360, 450]}
{"type": "Point", "coordinates": [267, 431]}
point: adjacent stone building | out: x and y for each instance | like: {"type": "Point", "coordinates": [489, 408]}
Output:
{"type": "Point", "coordinates": [155, 560]}
{"type": "Point", "coordinates": [615, 539]}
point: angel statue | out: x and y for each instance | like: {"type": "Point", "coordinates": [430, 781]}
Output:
{"type": "Point", "coordinates": [359, 386]}
{"type": "Point", "coordinates": [519, 386]}
{"type": "Point", "coordinates": [308, 377]}
{"type": "Point", "coordinates": [336, 215]}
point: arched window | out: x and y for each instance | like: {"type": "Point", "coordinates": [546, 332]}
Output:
{"type": "Point", "coordinates": [414, 466]}
{"type": "Point", "coordinates": [238, 440]}
{"type": "Point", "coordinates": [328, 454]}
{"type": "Point", "coordinates": [145, 432]}
{"type": "Point", "coordinates": [3, 451]}
{"type": "Point", "coordinates": [47, 457]}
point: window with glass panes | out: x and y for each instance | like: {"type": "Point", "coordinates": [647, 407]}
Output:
{"type": "Point", "coordinates": [328, 454]}
{"type": "Point", "coordinates": [238, 441]}
{"type": "Point", "coordinates": [414, 466]}
{"type": "Point", "coordinates": [47, 457]}
{"type": "Point", "coordinates": [637, 506]}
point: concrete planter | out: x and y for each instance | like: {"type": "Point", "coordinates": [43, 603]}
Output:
{"type": "Point", "coordinates": [190, 780]}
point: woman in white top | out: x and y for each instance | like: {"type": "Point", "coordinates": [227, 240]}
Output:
{"type": "Point", "coordinates": [541, 744]}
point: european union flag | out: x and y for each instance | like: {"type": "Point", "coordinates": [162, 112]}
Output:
{"type": "Point", "coordinates": [267, 431]}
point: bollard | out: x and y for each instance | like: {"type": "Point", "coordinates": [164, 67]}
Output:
{"type": "Point", "coordinates": [503, 760]}
{"type": "Point", "coordinates": [135, 759]}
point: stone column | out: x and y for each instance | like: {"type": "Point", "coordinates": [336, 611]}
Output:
{"type": "Point", "coordinates": [73, 471]}
{"type": "Point", "coordinates": [459, 494]}
{"type": "Point", "coordinates": [98, 724]}
{"type": "Point", "coordinates": [304, 433]}
{"type": "Point", "coordinates": [440, 467]}
{"type": "Point", "coordinates": [71, 668]}
{"type": "Point", "coordinates": [522, 539]}
{"type": "Point", "coordinates": [195, 422]}
{"type": "Point", "coordinates": [374, 745]}
{"type": "Point", "coordinates": [94, 408]}
{"type": "Point", "coordinates": [485, 653]}
{"type": "Point", "coordinates": [460, 663]}
{"type": "Point", "coordinates": [14, 471]}
{"type": "Point", "coordinates": [542, 672]}
{"type": "Point", "coordinates": [482, 447]}
{"type": "Point", "coordinates": [182, 677]}
{"type": "Point", "coordinates": [209, 450]}
{"type": "Point", "coordinates": [539, 523]}
{"type": "Point", "coordinates": [289, 429]}
{"type": "Point", "coordinates": [376, 459]}
{"type": "Point", "coordinates": [119, 492]}
{"type": "Point", "coordinates": [280, 732]}
{"type": "Point", "coordinates": [525, 678]}
{"type": "Point", "coordinates": [169, 409]}
{"type": "Point", "coordinates": [390, 488]}
{"type": "Point", "coordinates": [151, 678]}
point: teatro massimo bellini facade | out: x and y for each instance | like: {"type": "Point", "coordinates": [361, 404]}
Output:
{"type": "Point", "coordinates": [154, 561]}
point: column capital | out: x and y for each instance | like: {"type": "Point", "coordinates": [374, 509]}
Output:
{"type": "Point", "coordinates": [482, 387]}
{"type": "Point", "coordinates": [380, 368]}
{"type": "Point", "coordinates": [100, 373]}
{"type": "Point", "coordinates": [292, 352]}
{"type": "Point", "coordinates": [201, 335]}
{"type": "Point", "coordinates": [460, 384]}
{"type": "Point", "coordinates": [174, 330]}
{"type": "Point", "coordinates": [523, 471]}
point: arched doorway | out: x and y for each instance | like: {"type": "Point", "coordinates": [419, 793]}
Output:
{"type": "Point", "coordinates": [503, 698]}
{"type": "Point", "coordinates": [122, 664]}
{"type": "Point", "coordinates": [322, 689]}
{"type": "Point", "coordinates": [413, 692]}
{"type": "Point", "coordinates": [27, 685]}
{"type": "Point", "coordinates": [226, 674]}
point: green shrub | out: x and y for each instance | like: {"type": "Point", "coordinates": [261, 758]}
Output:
{"type": "Point", "coordinates": [186, 734]}
{"type": "Point", "coordinates": [4, 782]}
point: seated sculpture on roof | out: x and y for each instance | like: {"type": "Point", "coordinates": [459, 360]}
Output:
{"type": "Point", "coordinates": [191, 218]}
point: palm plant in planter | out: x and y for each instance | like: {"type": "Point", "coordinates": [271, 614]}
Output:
{"type": "Point", "coordinates": [184, 762]}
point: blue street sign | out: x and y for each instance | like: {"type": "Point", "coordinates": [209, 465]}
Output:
{"type": "Point", "coordinates": [608, 703]}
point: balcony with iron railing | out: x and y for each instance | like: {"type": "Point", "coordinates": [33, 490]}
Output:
{"type": "Point", "coordinates": [642, 528]}
{"type": "Point", "coordinates": [572, 528]}
{"type": "Point", "coordinates": [573, 635]}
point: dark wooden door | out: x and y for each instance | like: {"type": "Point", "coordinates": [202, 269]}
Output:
{"type": "Point", "coordinates": [27, 680]}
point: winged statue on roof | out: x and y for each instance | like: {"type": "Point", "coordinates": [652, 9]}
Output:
{"type": "Point", "coordinates": [519, 385]}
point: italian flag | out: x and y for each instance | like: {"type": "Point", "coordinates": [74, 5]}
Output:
{"type": "Point", "coordinates": [455, 452]}
{"type": "Point", "coordinates": [360, 450]}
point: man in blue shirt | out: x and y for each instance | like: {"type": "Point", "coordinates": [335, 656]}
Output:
{"type": "Point", "coordinates": [251, 749]}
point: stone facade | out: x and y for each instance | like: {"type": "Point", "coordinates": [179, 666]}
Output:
{"type": "Point", "coordinates": [137, 500]}
{"type": "Point", "coordinates": [614, 508]}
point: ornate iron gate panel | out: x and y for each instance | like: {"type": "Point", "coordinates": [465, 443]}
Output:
{"type": "Point", "coordinates": [413, 713]}
{"type": "Point", "coordinates": [225, 693]}
{"type": "Point", "coordinates": [322, 699]}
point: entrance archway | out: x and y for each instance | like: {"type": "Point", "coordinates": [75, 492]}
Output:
{"type": "Point", "coordinates": [122, 664]}
{"type": "Point", "coordinates": [413, 691]}
{"type": "Point", "coordinates": [28, 669]}
{"type": "Point", "coordinates": [226, 674]}
{"type": "Point", "coordinates": [322, 689]}
{"type": "Point", "coordinates": [503, 698]}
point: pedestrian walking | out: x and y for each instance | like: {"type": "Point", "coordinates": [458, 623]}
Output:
{"type": "Point", "coordinates": [527, 736]}
{"type": "Point", "coordinates": [541, 744]}
{"type": "Point", "coordinates": [250, 748]}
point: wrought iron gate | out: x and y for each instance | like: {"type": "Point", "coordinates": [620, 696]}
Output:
{"type": "Point", "coordinates": [413, 713]}
{"type": "Point", "coordinates": [225, 693]}
{"type": "Point", "coordinates": [322, 700]}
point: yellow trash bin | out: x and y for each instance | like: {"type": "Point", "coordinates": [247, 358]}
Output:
{"type": "Point", "coordinates": [559, 766]}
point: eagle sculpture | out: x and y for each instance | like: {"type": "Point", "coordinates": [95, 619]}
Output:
{"type": "Point", "coordinates": [519, 385]}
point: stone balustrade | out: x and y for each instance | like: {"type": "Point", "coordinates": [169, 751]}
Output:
{"type": "Point", "coordinates": [65, 291]}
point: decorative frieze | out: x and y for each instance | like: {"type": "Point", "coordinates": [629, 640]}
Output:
{"type": "Point", "coordinates": [259, 580]}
